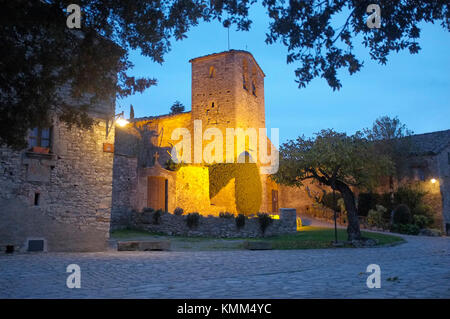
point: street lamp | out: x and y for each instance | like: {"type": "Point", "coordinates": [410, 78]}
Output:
{"type": "Point", "coordinates": [433, 181]}
{"type": "Point", "coordinates": [117, 119]}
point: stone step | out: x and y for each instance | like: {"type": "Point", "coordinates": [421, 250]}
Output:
{"type": "Point", "coordinates": [257, 245]}
{"type": "Point", "coordinates": [143, 245]}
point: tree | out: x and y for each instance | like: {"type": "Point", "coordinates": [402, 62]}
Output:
{"type": "Point", "coordinates": [335, 160]}
{"type": "Point", "coordinates": [39, 54]}
{"type": "Point", "coordinates": [389, 136]}
{"type": "Point", "coordinates": [308, 29]}
{"type": "Point", "coordinates": [177, 107]}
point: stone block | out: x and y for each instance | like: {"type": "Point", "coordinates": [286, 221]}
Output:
{"type": "Point", "coordinates": [154, 245]}
{"type": "Point", "coordinates": [128, 246]}
{"type": "Point", "coordinates": [257, 245]}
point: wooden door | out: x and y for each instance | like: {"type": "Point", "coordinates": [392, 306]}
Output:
{"type": "Point", "coordinates": [156, 193]}
{"type": "Point", "coordinates": [274, 201]}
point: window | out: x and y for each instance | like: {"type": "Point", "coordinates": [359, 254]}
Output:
{"type": "Point", "coordinates": [212, 72]}
{"type": "Point", "coordinates": [40, 137]}
{"type": "Point", "coordinates": [448, 155]}
{"type": "Point", "coordinates": [253, 88]}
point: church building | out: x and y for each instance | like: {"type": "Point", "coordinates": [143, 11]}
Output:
{"type": "Point", "coordinates": [227, 93]}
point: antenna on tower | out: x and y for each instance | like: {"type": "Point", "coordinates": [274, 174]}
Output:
{"type": "Point", "coordinates": [228, 37]}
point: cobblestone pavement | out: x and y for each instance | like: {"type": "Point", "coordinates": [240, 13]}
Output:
{"type": "Point", "coordinates": [422, 266]}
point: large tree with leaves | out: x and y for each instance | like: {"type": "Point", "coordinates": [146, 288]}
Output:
{"type": "Point", "coordinates": [39, 54]}
{"type": "Point", "coordinates": [390, 137]}
{"type": "Point", "coordinates": [335, 160]}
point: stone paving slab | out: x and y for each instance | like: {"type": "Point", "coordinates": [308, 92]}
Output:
{"type": "Point", "coordinates": [422, 266]}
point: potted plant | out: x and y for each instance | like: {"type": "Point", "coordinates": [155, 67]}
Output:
{"type": "Point", "coordinates": [40, 149]}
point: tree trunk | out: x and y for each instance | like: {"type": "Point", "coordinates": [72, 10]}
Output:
{"type": "Point", "coordinates": [353, 230]}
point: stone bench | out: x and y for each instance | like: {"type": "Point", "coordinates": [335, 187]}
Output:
{"type": "Point", "coordinates": [143, 245]}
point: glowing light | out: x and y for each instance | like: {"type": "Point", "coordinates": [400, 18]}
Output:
{"type": "Point", "coordinates": [433, 181]}
{"type": "Point", "coordinates": [275, 216]}
{"type": "Point", "coordinates": [121, 121]}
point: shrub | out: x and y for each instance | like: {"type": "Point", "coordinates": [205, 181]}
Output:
{"type": "Point", "coordinates": [264, 221]}
{"type": "Point", "coordinates": [178, 211]}
{"type": "Point", "coordinates": [226, 215]}
{"type": "Point", "coordinates": [402, 215]}
{"type": "Point", "coordinates": [410, 196]}
{"type": "Point", "coordinates": [422, 221]}
{"type": "Point", "coordinates": [148, 210]}
{"type": "Point", "coordinates": [240, 221]}
{"type": "Point", "coordinates": [408, 229]}
{"type": "Point", "coordinates": [157, 217]}
{"type": "Point", "coordinates": [375, 217]}
{"type": "Point", "coordinates": [366, 202]}
{"type": "Point", "coordinates": [192, 219]}
{"type": "Point", "coordinates": [248, 188]}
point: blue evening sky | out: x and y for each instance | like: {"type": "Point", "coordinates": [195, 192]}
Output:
{"type": "Point", "coordinates": [416, 88]}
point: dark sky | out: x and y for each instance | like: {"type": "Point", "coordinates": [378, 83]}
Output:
{"type": "Point", "coordinates": [416, 88]}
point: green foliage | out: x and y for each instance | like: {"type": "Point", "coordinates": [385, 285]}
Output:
{"type": "Point", "coordinates": [91, 62]}
{"type": "Point", "coordinates": [172, 166]}
{"type": "Point", "coordinates": [226, 215]}
{"type": "Point", "coordinates": [176, 108]}
{"type": "Point", "coordinates": [192, 219]}
{"type": "Point", "coordinates": [178, 211]}
{"type": "Point", "coordinates": [408, 229]}
{"type": "Point", "coordinates": [248, 187]}
{"type": "Point", "coordinates": [264, 220]}
{"type": "Point", "coordinates": [402, 215]}
{"type": "Point", "coordinates": [328, 201]}
{"type": "Point", "coordinates": [329, 156]}
{"type": "Point", "coordinates": [375, 217]}
{"type": "Point", "coordinates": [240, 221]}
{"type": "Point", "coordinates": [157, 217]}
{"type": "Point", "coordinates": [410, 196]}
{"type": "Point", "coordinates": [366, 202]}
{"type": "Point", "coordinates": [422, 221]}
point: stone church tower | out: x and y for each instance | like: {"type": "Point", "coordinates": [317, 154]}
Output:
{"type": "Point", "coordinates": [228, 91]}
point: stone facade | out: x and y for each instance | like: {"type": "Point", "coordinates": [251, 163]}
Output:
{"type": "Point", "coordinates": [215, 227]}
{"type": "Point", "coordinates": [62, 198]}
{"type": "Point", "coordinates": [227, 92]}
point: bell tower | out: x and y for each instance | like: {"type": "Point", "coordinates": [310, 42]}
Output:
{"type": "Point", "coordinates": [228, 91]}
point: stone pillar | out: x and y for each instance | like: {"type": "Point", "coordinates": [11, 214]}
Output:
{"type": "Point", "coordinates": [288, 218]}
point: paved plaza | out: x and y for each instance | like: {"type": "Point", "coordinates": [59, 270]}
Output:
{"type": "Point", "coordinates": [418, 268]}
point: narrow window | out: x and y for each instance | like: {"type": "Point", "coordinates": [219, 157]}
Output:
{"type": "Point", "coordinates": [253, 88]}
{"type": "Point", "coordinates": [212, 72]}
{"type": "Point", "coordinates": [36, 199]}
{"type": "Point", "coordinates": [448, 155]}
{"type": "Point", "coordinates": [244, 74]}
{"type": "Point", "coordinates": [212, 105]}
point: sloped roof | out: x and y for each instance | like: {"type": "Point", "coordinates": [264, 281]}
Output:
{"type": "Point", "coordinates": [430, 143]}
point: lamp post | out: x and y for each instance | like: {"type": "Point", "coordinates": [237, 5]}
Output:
{"type": "Point", "coordinates": [335, 224]}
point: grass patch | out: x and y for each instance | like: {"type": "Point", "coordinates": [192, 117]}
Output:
{"type": "Point", "coordinates": [307, 238]}
{"type": "Point", "coordinates": [320, 237]}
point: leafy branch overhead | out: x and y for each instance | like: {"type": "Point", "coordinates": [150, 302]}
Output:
{"type": "Point", "coordinates": [40, 56]}
{"type": "Point", "coordinates": [321, 34]}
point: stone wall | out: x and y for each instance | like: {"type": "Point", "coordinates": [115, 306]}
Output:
{"type": "Point", "coordinates": [64, 197]}
{"type": "Point", "coordinates": [214, 226]}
